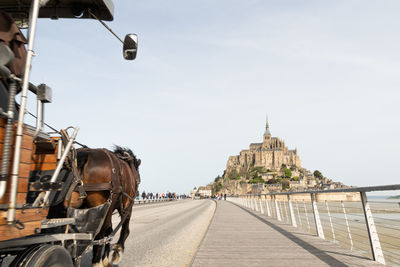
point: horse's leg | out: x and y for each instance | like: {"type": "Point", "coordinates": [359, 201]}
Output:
{"type": "Point", "coordinates": [97, 252]}
{"type": "Point", "coordinates": [119, 247]}
{"type": "Point", "coordinates": [105, 260]}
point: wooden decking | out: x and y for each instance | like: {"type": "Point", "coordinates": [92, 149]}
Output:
{"type": "Point", "coordinates": [240, 237]}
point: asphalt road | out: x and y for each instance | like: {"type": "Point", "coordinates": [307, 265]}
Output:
{"type": "Point", "coordinates": [164, 234]}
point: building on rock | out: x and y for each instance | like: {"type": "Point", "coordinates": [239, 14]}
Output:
{"type": "Point", "coordinates": [271, 154]}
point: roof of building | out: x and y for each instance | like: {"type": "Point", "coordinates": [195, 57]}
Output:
{"type": "Point", "coordinates": [255, 144]}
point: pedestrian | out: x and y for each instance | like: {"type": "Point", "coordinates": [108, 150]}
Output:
{"type": "Point", "coordinates": [144, 195]}
{"type": "Point", "coordinates": [225, 196]}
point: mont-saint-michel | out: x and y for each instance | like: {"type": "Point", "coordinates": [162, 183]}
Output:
{"type": "Point", "coordinates": [269, 166]}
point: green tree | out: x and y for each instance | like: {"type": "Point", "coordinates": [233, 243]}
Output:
{"type": "Point", "coordinates": [295, 178]}
{"type": "Point", "coordinates": [217, 178]}
{"type": "Point", "coordinates": [285, 184]}
{"type": "Point", "coordinates": [288, 173]}
{"type": "Point", "coordinates": [318, 174]}
{"type": "Point", "coordinates": [234, 176]}
{"type": "Point", "coordinates": [257, 180]}
{"type": "Point", "coordinates": [218, 187]}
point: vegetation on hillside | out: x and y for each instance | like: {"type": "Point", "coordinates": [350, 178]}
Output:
{"type": "Point", "coordinates": [318, 174]}
{"type": "Point", "coordinates": [261, 175]}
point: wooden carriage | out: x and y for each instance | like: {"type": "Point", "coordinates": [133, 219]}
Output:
{"type": "Point", "coordinates": [32, 161]}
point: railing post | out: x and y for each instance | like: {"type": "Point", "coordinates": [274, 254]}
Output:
{"type": "Point", "coordinates": [306, 213]}
{"type": "Point", "coordinates": [255, 203]}
{"type": "Point", "coordinates": [376, 249]}
{"type": "Point", "coordinates": [286, 212]}
{"type": "Point", "coordinates": [261, 206]}
{"type": "Point", "coordinates": [330, 220]}
{"type": "Point", "coordinates": [298, 214]}
{"type": "Point", "coordinates": [292, 218]}
{"type": "Point", "coordinates": [267, 206]}
{"type": "Point", "coordinates": [347, 225]}
{"type": "Point", "coordinates": [252, 202]}
{"type": "Point", "coordinates": [278, 214]}
{"type": "Point", "coordinates": [318, 225]}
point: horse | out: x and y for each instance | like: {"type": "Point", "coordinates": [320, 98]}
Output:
{"type": "Point", "coordinates": [108, 175]}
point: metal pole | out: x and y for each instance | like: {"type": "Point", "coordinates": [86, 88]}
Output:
{"type": "Point", "coordinates": [261, 207]}
{"type": "Point", "coordinates": [278, 214]}
{"type": "Point", "coordinates": [318, 225]}
{"type": "Point", "coordinates": [330, 220]}
{"type": "Point", "coordinates": [286, 212]}
{"type": "Point", "coordinates": [7, 137]}
{"type": "Point", "coordinates": [298, 214]}
{"type": "Point", "coordinates": [267, 207]}
{"type": "Point", "coordinates": [39, 113]}
{"type": "Point", "coordinates": [61, 162]}
{"type": "Point", "coordinates": [347, 225]}
{"type": "Point", "coordinates": [292, 218]}
{"type": "Point", "coordinates": [34, 12]}
{"type": "Point", "coordinates": [306, 213]}
{"type": "Point", "coordinates": [376, 249]}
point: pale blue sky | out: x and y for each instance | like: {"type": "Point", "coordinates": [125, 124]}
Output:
{"type": "Point", "coordinates": [207, 72]}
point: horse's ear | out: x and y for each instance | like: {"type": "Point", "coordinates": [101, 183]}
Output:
{"type": "Point", "coordinates": [138, 162]}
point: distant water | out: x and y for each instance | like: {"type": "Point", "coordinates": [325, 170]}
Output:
{"type": "Point", "coordinates": [382, 199]}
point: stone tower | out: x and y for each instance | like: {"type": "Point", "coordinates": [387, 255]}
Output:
{"type": "Point", "coordinates": [267, 133]}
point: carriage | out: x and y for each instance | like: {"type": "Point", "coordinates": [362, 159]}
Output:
{"type": "Point", "coordinates": [39, 171]}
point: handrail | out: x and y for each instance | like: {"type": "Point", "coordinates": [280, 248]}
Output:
{"type": "Point", "coordinates": [154, 200]}
{"type": "Point", "coordinates": [318, 219]}
{"type": "Point", "coordinates": [340, 190]}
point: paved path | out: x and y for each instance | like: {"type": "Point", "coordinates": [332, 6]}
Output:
{"type": "Point", "coordinates": [165, 234]}
{"type": "Point", "coordinates": [169, 234]}
{"type": "Point", "coordinates": [238, 237]}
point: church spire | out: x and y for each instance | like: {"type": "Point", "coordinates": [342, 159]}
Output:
{"type": "Point", "coordinates": [267, 132]}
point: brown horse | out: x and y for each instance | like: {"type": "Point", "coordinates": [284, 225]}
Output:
{"type": "Point", "coordinates": [108, 176]}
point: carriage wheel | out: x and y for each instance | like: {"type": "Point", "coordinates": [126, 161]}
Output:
{"type": "Point", "coordinates": [44, 256]}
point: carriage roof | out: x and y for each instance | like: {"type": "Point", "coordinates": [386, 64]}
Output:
{"type": "Point", "coordinates": [103, 9]}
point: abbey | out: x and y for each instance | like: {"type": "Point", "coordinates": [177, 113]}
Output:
{"type": "Point", "coordinates": [271, 154]}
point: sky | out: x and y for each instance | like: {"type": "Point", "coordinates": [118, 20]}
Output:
{"type": "Point", "coordinates": [207, 73]}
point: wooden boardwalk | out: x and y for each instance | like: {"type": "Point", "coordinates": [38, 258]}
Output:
{"type": "Point", "coordinates": [240, 237]}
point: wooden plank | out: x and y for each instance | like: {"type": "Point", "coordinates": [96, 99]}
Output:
{"type": "Point", "coordinates": [26, 156]}
{"type": "Point", "coordinates": [44, 158]}
{"type": "Point", "coordinates": [27, 142]}
{"type": "Point", "coordinates": [10, 231]}
{"type": "Point", "coordinates": [21, 198]}
{"type": "Point", "coordinates": [26, 215]}
{"type": "Point", "coordinates": [24, 170]}
{"type": "Point", "coordinates": [23, 185]}
{"type": "Point", "coordinates": [43, 166]}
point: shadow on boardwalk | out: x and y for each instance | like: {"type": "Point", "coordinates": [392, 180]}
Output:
{"type": "Point", "coordinates": [238, 237]}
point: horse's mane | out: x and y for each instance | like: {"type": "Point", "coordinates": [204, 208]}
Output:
{"type": "Point", "coordinates": [126, 154]}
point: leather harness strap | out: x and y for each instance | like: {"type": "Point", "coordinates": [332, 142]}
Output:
{"type": "Point", "coordinates": [97, 187]}
{"type": "Point", "coordinates": [115, 184]}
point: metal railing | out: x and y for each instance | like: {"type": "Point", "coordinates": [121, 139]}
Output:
{"type": "Point", "coordinates": [154, 200]}
{"type": "Point", "coordinates": [344, 216]}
